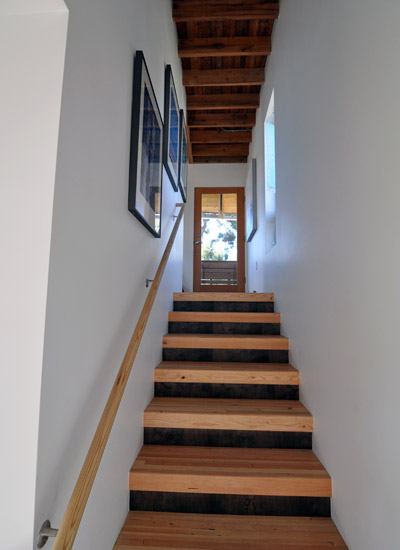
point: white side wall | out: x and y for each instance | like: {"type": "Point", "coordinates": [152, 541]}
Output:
{"type": "Point", "coordinates": [336, 266]}
{"type": "Point", "coordinates": [32, 52]}
{"type": "Point", "coordinates": [100, 258]}
{"type": "Point", "coordinates": [205, 175]}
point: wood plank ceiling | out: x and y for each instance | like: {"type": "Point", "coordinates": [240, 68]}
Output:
{"type": "Point", "coordinates": [223, 46]}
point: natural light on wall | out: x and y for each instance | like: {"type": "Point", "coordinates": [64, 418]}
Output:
{"type": "Point", "coordinates": [270, 180]}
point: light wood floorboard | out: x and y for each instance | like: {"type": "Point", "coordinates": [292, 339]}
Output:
{"type": "Point", "coordinates": [163, 530]}
{"type": "Point", "coordinates": [226, 341]}
{"type": "Point", "coordinates": [228, 414]}
{"type": "Point", "coordinates": [220, 470]}
{"type": "Point", "coordinates": [226, 373]}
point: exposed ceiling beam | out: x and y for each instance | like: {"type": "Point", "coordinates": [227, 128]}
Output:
{"type": "Point", "coordinates": [224, 77]}
{"type": "Point", "coordinates": [219, 160]}
{"type": "Point", "coordinates": [221, 120]}
{"type": "Point", "coordinates": [219, 136]}
{"type": "Point", "coordinates": [190, 153]}
{"type": "Point", "coordinates": [216, 10]}
{"type": "Point", "coordinates": [220, 149]}
{"type": "Point", "coordinates": [222, 101]}
{"type": "Point", "coordinates": [218, 47]}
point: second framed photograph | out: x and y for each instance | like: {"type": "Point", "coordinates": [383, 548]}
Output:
{"type": "Point", "coordinates": [183, 156]}
{"type": "Point", "coordinates": [171, 129]}
{"type": "Point", "coordinates": [145, 170]}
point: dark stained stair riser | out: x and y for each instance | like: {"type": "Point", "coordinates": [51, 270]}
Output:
{"type": "Point", "coordinates": [241, 355]}
{"type": "Point", "coordinates": [227, 438]}
{"type": "Point", "coordinates": [243, 307]}
{"type": "Point", "coordinates": [224, 328]}
{"type": "Point", "coordinates": [226, 391]}
{"type": "Point", "coordinates": [230, 504]}
{"type": "Point", "coordinates": [203, 452]}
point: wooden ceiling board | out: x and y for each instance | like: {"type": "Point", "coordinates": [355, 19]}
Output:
{"type": "Point", "coordinates": [223, 45]}
{"type": "Point", "coordinates": [219, 135]}
{"type": "Point", "coordinates": [217, 10]}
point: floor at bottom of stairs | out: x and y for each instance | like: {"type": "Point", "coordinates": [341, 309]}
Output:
{"type": "Point", "coordinates": [171, 531]}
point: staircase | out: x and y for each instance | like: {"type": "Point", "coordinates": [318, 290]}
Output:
{"type": "Point", "coordinates": [227, 460]}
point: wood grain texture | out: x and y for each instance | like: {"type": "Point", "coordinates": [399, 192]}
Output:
{"type": "Point", "coordinates": [223, 77]}
{"type": "Point", "coordinates": [209, 503]}
{"type": "Point", "coordinates": [216, 317]}
{"type": "Point", "coordinates": [220, 149]}
{"type": "Point", "coordinates": [216, 120]}
{"type": "Point", "coordinates": [220, 470]}
{"type": "Point", "coordinates": [238, 159]}
{"type": "Point", "coordinates": [198, 10]}
{"type": "Point", "coordinates": [223, 355]}
{"type": "Point", "coordinates": [226, 373]}
{"type": "Point", "coordinates": [222, 47]}
{"type": "Point", "coordinates": [228, 438]}
{"type": "Point", "coordinates": [228, 414]}
{"type": "Point", "coordinates": [76, 506]}
{"type": "Point", "coordinates": [217, 135]}
{"type": "Point", "coordinates": [163, 530]}
{"type": "Point", "coordinates": [227, 391]}
{"type": "Point", "coordinates": [227, 341]}
{"type": "Point", "coordinates": [224, 296]}
{"type": "Point", "coordinates": [222, 101]}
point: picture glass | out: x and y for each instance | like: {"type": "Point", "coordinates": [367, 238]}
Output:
{"type": "Point", "coordinates": [183, 168]}
{"type": "Point", "coordinates": [146, 151]}
{"type": "Point", "coordinates": [173, 149]}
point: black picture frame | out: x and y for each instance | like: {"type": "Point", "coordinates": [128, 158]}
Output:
{"type": "Point", "coordinates": [145, 167]}
{"type": "Point", "coordinates": [183, 156]}
{"type": "Point", "coordinates": [171, 129]}
{"type": "Point", "coordinates": [251, 201]}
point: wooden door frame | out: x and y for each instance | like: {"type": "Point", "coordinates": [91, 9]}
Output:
{"type": "Point", "coordinates": [240, 287]}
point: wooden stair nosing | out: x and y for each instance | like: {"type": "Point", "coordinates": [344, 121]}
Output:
{"type": "Point", "coordinates": [218, 470]}
{"type": "Point", "coordinates": [166, 530]}
{"type": "Point", "coordinates": [222, 317]}
{"type": "Point", "coordinates": [228, 414]}
{"type": "Point", "coordinates": [225, 341]}
{"type": "Point", "coordinates": [226, 373]}
{"type": "Point", "coordinates": [223, 296]}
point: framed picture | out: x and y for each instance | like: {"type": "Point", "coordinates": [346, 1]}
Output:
{"type": "Point", "coordinates": [183, 156]}
{"type": "Point", "coordinates": [145, 170]}
{"type": "Point", "coordinates": [171, 129]}
{"type": "Point", "coordinates": [251, 201]}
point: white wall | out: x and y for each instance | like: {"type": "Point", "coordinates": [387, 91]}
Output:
{"type": "Point", "coordinates": [32, 51]}
{"type": "Point", "coordinates": [205, 175]}
{"type": "Point", "coordinates": [100, 258]}
{"type": "Point", "coordinates": [336, 266]}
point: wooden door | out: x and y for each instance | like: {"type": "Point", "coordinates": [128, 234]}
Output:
{"type": "Point", "coordinates": [218, 239]}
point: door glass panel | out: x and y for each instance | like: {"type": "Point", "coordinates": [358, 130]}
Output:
{"type": "Point", "coordinates": [219, 239]}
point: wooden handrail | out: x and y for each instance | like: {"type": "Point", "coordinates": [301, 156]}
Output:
{"type": "Point", "coordinates": [77, 503]}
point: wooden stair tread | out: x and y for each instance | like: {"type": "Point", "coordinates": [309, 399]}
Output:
{"type": "Point", "coordinates": [223, 296]}
{"type": "Point", "coordinates": [226, 373]}
{"type": "Point", "coordinates": [172, 531]}
{"type": "Point", "coordinates": [228, 414]}
{"type": "Point", "coordinates": [221, 470]}
{"type": "Point", "coordinates": [218, 317]}
{"type": "Point", "coordinates": [225, 341]}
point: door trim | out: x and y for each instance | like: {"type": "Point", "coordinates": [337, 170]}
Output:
{"type": "Point", "coordinates": [240, 287]}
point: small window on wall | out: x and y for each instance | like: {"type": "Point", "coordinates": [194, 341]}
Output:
{"type": "Point", "coordinates": [270, 178]}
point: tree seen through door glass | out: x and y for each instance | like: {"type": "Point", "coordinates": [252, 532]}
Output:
{"type": "Point", "coordinates": [219, 239]}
